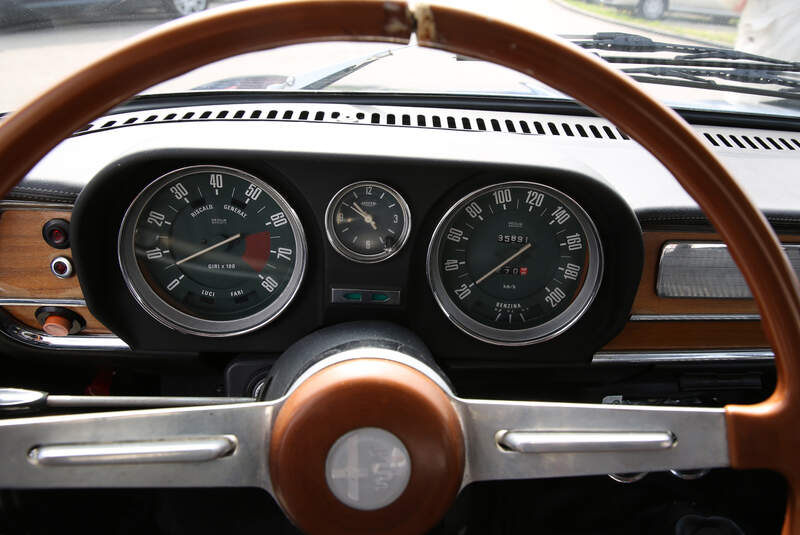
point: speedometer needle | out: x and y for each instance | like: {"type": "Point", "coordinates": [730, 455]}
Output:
{"type": "Point", "coordinates": [210, 248]}
{"type": "Point", "coordinates": [504, 262]}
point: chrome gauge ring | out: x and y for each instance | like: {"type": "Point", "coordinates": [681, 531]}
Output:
{"type": "Point", "coordinates": [515, 263]}
{"type": "Point", "coordinates": [367, 222]}
{"type": "Point", "coordinates": [212, 251]}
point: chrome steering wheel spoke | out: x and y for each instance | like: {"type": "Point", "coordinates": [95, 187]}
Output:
{"type": "Point", "coordinates": [527, 440]}
{"type": "Point", "coordinates": [220, 446]}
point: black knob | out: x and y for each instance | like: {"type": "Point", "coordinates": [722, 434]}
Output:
{"type": "Point", "coordinates": [56, 233]}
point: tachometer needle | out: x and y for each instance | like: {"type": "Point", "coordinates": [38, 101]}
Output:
{"type": "Point", "coordinates": [210, 248]}
{"type": "Point", "coordinates": [504, 262]}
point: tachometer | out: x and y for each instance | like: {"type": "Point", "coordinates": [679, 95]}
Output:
{"type": "Point", "coordinates": [212, 251]}
{"type": "Point", "coordinates": [515, 263]}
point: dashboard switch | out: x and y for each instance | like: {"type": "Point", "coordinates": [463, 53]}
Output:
{"type": "Point", "coordinates": [61, 267]}
{"type": "Point", "coordinates": [56, 233]}
{"type": "Point", "coordinates": [59, 321]}
{"type": "Point", "coordinates": [57, 325]}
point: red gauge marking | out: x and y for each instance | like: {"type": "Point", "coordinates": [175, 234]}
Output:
{"type": "Point", "coordinates": [256, 251]}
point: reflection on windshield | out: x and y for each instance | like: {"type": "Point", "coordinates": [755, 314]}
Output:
{"type": "Point", "coordinates": [42, 41]}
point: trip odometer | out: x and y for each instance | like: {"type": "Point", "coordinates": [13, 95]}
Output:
{"type": "Point", "coordinates": [515, 263]}
{"type": "Point", "coordinates": [212, 251]}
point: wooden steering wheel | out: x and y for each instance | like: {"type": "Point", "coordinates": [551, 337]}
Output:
{"type": "Point", "coordinates": [462, 435]}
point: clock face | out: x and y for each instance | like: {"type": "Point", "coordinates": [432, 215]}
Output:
{"type": "Point", "coordinates": [367, 222]}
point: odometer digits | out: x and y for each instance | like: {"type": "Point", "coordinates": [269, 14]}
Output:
{"type": "Point", "coordinates": [212, 251]}
{"type": "Point", "coordinates": [515, 263]}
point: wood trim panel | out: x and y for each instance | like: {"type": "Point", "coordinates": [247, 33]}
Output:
{"type": "Point", "coordinates": [26, 257]}
{"type": "Point", "coordinates": [661, 335]}
{"type": "Point", "coordinates": [25, 267]}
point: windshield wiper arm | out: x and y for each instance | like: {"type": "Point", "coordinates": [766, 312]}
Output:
{"type": "Point", "coordinates": [734, 75]}
{"type": "Point", "coordinates": [682, 62]}
{"type": "Point", "coordinates": [694, 65]}
{"type": "Point", "coordinates": [628, 42]}
{"type": "Point", "coordinates": [692, 78]}
{"type": "Point", "coordinates": [320, 79]}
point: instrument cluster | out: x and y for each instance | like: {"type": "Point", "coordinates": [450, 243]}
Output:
{"type": "Point", "coordinates": [216, 251]}
{"type": "Point", "coordinates": [243, 257]}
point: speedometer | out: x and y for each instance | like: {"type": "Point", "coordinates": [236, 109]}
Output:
{"type": "Point", "coordinates": [212, 251]}
{"type": "Point", "coordinates": [515, 263]}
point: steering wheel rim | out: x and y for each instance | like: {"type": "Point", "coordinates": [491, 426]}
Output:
{"type": "Point", "coordinates": [178, 47]}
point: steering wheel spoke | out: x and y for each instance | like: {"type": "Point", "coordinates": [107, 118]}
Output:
{"type": "Point", "coordinates": [220, 446]}
{"type": "Point", "coordinates": [524, 440]}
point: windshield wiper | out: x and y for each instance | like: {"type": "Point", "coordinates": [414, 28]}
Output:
{"type": "Point", "coordinates": [699, 79]}
{"type": "Point", "coordinates": [695, 66]}
{"type": "Point", "coordinates": [628, 42]}
{"type": "Point", "coordinates": [322, 78]}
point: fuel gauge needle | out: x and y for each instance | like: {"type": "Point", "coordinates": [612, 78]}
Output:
{"type": "Point", "coordinates": [210, 248]}
{"type": "Point", "coordinates": [504, 262]}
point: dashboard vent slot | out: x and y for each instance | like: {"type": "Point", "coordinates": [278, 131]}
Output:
{"type": "Point", "coordinates": [466, 120]}
{"type": "Point", "coordinates": [750, 142]}
{"type": "Point", "coordinates": [518, 123]}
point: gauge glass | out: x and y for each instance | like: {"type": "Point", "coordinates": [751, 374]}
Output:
{"type": "Point", "coordinates": [367, 222]}
{"type": "Point", "coordinates": [212, 251]}
{"type": "Point", "coordinates": [515, 263]}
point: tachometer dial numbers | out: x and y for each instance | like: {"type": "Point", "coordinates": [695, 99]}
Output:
{"type": "Point", "coordinates": [367, 222]}
{"type": "Point", "coordinates": [515, 263]}
{"type": "Point", "coordinates": [212, 251]}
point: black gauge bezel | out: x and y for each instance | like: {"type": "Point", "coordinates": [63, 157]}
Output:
{"type": "Point", "coordinates": [167, 314]}
{"type": "Point", "coordinates": [343, 248]}
{"type": "Point", "coordinates": [538, 333]}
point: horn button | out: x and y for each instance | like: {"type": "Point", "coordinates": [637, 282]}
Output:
{"type": "Point", "coordinates": [366, 445]}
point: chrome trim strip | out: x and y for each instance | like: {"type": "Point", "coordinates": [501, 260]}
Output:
{"type": "Point", "coordinates": [658, 357]}
{"type": "Point", "coordinates": [695, 317]}
{"type": "Point", "coordinates": [30, 302]}
{"type": "Point", "coordinates": [20, 399]}
{"type": "Point", "coordinates": [706, 270]}
{"type": "Point", "coordinates": [138, 402]}
{"type": "Point", "coordinates": [155, 451]}
{"type": "Point", "coordinates": [582, 442]}
{"type": "Point", "coordinates": [6, 204]}
{"type": "Point", "coordinates": [74, 342]}
{"type": "Point", "coordinates": [626, 479]}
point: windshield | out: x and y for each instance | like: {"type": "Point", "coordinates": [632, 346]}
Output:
{"type": "Point", "coordinates": [697, 54]}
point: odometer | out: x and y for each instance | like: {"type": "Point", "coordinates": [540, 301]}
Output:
{"type": "Point", "coordinates": [515, 263]}
{"type": "Point", "coordinates": [212, 251]}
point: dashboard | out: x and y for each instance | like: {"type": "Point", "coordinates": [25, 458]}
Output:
{"type": "Point", "coordinates": [503, 238]}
